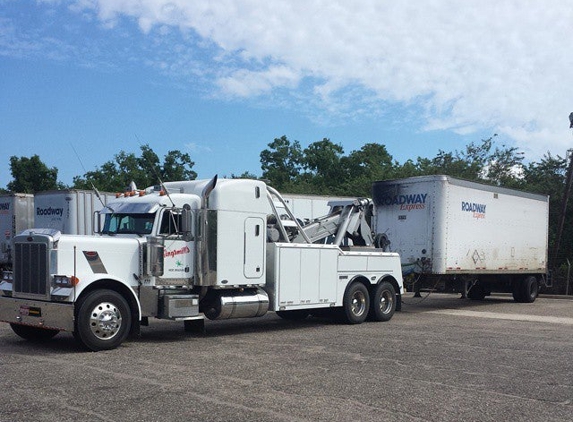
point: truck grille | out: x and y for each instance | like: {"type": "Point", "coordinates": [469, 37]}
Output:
{"type": "Point", "coordinates": [31, 268]}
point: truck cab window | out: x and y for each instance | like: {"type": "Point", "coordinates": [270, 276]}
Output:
{"type": "Point", "coordinates": [170, 223]}
{"type": "Point", "coordinates": [140, 224]}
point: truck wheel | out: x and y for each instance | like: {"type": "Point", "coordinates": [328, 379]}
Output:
{"type": "Point", "coordinates": [33, 333]}
{"type": "Point", "coordinates": [296, 315]}
{"type": "Point", "coordinates": [526, 290]}
{"type": "Point", "coordinates": [383, 303]}
{"type": "Point", "coordinates": [355, 304]}
{"type": "Point", "coordinates": [103, 320]}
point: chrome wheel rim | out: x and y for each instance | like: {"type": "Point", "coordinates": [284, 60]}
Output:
{"type": "Point", "coordinates": [105, 321]}
{"type": "Point", "coordinates": [358, 306]}
{"type": "Point", "coordinates": [386, 302]}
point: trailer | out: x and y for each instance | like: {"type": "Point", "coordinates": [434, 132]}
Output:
{"type": "Point", "coordinates": [306, 208]}
{"type": "Point", "coordinates": [16, 215]}
{"type": "Point", "coordinates": [69, 211]}
{"type": "Point", "coordinates": [461, 236]}
{"type": "Point", "coordinates": [190, 250]}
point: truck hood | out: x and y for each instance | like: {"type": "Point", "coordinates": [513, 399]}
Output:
{"type": "Point", "coordinates": [93, 257]}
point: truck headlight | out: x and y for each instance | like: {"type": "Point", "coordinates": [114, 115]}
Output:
{"type": "Point", "coordinates": [6, 283]}
{"type": "Point", "coordinates": [64, 281]}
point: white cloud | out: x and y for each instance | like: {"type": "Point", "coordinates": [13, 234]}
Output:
{"type": "Point", "coordinates": [245, 83]}
{"type": "Point", "coordinates": [503, 65]}
{"type": "Point", "coordinates": [196, 148]}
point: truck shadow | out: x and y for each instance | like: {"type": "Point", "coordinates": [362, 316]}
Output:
{"type": "Point", "coordinates": [450, 301]}
{"type": "Point", "coordinates": [63, 343]}
{"type": "Point", "coordinates": [161, 331]}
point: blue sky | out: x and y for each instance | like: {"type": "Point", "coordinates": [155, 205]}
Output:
{"type": "Point", "coordinates": [220, 80]}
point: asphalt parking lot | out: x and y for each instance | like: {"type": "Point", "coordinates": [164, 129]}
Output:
{"type": "Point", "coordinates": [440, 359]}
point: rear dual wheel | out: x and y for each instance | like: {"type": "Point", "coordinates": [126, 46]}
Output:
{"type": "Point", "coordinates": [383, 303]}
{"type": "Point", "coordinates": [526, 290]}
{"type": "Point", "coordinates": [355, 304]}
{"type": "Point", "coordinates": [358, 304]}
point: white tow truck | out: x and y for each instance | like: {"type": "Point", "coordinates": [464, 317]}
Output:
{"type": "Point", "coordinates": [187, 250]}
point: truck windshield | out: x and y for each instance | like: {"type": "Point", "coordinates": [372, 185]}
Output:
{"type": "Point", "coordinates": [128, 224]}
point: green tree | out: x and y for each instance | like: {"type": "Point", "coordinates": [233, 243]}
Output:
{"type": "Point", "coordinates": [362, 167]}
{"type": "Point", "coordinates": [31, 175]}
{"type": "Point", "coordinates": [177, 166]}
{"type": "Point", "coordinates": [244, 175]}
{"type": "Point", "coordinates": [145, 170]}
{"type": "Point", "coordinates": [502, 166]}
{"type": "Point", "coordinates": [548, 177]}
{"type": "Point", "coordinates": [281, 162]}
{"type": "Point", "coordinates": [322, 161]}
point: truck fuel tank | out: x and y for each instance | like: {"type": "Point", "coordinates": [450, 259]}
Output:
{"type": "Point", "coordinates": [235, 304]}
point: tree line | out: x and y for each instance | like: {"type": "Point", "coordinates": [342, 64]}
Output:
{"type": "Point", "coordinates": [323, 168]}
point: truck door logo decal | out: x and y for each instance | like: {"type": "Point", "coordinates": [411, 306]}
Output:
{"type": "Point", "coordinates": [95, 262]}
{"type": "Point", "coordinates": [171, 254]}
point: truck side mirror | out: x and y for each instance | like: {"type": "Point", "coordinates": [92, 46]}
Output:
{"type": "Point", "coordinates": [187, 223]}
{"type": "Point", "coordinates": [96, 222]}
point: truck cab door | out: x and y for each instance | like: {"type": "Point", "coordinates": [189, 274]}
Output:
{"type": "Point", "coordinates": [178, 252]}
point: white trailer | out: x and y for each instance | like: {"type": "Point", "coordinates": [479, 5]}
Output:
{"type": "Point", "coordinates": [188, 250]}
{"type": "Point", "coordinates": [464, 236]}
{"type": "Point", "coordinates": [16, 215]}
{"type": "Point", "coordinates": [69, 211]}
{"type": "Point", "coordinates": [306, 208]}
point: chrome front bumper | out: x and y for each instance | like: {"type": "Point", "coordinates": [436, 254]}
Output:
{"type": "Point", "coordinates": [59, 316]}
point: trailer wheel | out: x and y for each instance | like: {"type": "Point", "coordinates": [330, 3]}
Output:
{"type": "Point", "coordinates": [526, 290]}
{"type": "Point", "coordinates": [33, 333]}
{"type": "Point", "coordinates": [295, 315]}
{"type": "Point", "coordinates": [383, 302]}
{"type": "Point", "coordinates": [356, 304]}
{"type": "Point", "coordinates": [103, 320]}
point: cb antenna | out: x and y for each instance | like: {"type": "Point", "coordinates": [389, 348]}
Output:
{"type": "Point", "coordinates": [91, 183]}
{"type": "Point", "coordinates": [157, 175]}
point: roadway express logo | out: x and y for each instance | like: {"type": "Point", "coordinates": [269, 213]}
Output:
{"type": "Point", "coordinates": [174, 253]}
{"type": "Point", "coordinates": [50, 211]}
{"type": "Point", "coordinates": [478, 210]}
{"type": "Point", "coordinates": [415, 201]}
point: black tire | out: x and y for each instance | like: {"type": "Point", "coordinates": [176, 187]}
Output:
{"type": "Point", "coordinates": [383, 303]}
{"type": "Point", "coordinates": [355, 304]}
{"type": "Point", "coordinates": [296, 315]}
{"type": "Point", "coordinates": [477, 292]}
{"type": "Point", "coordinates": [526, 290]}
{"type": "Point", "coordinates": [517, 291]}
{"type": "Point", "coordinates": [34, 333]}
{"type": "Point", "coordinates": [103, 320]}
